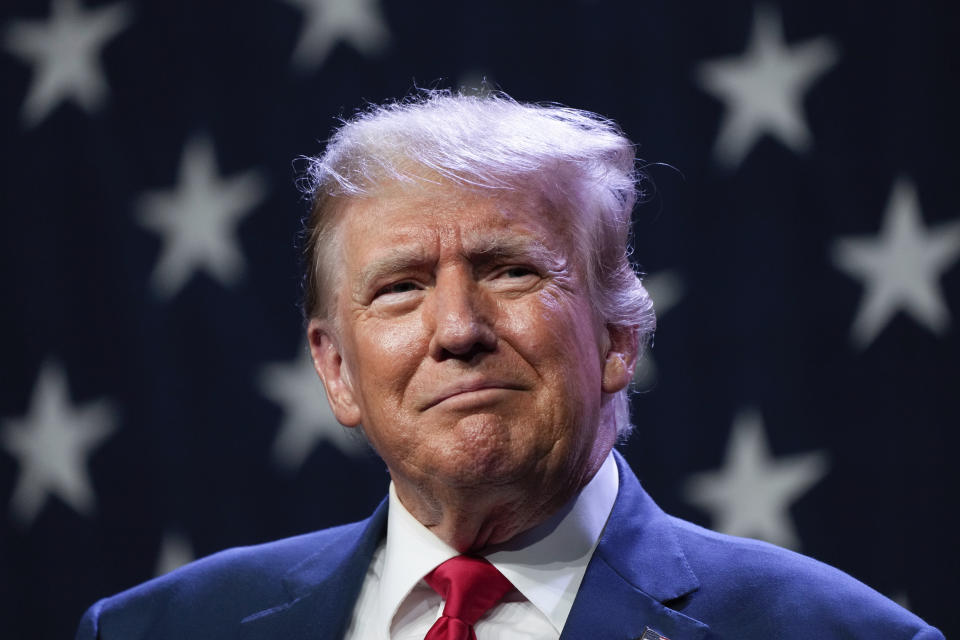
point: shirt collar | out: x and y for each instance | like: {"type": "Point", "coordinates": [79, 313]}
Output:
{"type": "Point", "coordinates": [546, 564]}
{"type": "Point", "coordinates": [411, 552]}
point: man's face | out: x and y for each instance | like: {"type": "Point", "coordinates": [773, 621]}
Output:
{"type": "Point", "coordinates": [465, 342]}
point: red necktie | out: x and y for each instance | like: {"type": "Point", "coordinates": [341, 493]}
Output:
{"type": "Point", "coordinates": [470, 587]}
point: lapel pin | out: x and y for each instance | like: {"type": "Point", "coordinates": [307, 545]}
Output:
{"type": "Point", "coordinates": [650, 634]}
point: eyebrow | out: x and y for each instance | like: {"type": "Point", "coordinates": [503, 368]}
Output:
{"type": "Point", "coordinates": [479, 249]}
{"type": "Point", "coordinates": [397, 259]}
{"type": "Point", "coordinates": [507, 246]}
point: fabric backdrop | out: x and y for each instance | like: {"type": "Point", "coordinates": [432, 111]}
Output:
{"type": "Point", "coordinates": [801, 238]}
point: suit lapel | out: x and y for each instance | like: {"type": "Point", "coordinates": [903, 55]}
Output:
{"type": "Point", "coordinates": [323, 588]}
{"type": "Point", "coordinates": [637, 569]}
{"type": "Point", "coordinates": [609, 607]}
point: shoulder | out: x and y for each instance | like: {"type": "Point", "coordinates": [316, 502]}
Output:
{"type": "Point", "coordinates": [773, 592]}
{"type": "Point", "coordinates": [209, 597]}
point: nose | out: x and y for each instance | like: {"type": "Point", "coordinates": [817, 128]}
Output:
{"type": "Point", "coordinates": [462, 321]}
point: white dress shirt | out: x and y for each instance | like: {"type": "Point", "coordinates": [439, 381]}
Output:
{"type": "Point", "coordinates": [545, 564]}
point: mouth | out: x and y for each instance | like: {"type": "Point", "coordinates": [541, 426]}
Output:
{"type": "Point", "coordinates": [471, 393]}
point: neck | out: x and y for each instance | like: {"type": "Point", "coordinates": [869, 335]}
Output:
{"type": "Point", "coordinates": [471, 519]}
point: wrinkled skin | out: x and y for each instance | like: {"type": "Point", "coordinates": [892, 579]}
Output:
{"type": "Point", "coordinates": [463, 340]}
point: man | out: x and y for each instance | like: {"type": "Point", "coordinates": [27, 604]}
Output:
{"type": "Point", "coordinates": [470, 305]}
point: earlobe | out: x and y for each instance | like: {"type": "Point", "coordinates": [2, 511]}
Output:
{"type": "Point", "coordinates": [621, 357]}
{"type": "Point", "coordinates": [328, 362]}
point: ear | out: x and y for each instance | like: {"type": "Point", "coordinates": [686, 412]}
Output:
{"type": "Point", "coordinates": [621, 358]}
{"type": "Point", "coordinates": [327, 360]}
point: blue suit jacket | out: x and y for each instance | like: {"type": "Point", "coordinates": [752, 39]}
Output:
{"type": "Point", "coordinates": [650, 570]}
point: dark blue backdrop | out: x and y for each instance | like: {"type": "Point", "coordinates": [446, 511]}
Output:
{"type": "Point", "coordinates": [803, 254]}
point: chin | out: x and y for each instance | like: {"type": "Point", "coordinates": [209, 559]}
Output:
{"type": "Point", "coordinates": [478, 469]}
{"type": "Point", "coordinates": [486, 450]}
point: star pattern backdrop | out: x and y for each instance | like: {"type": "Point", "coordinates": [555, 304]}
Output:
{"type": "Point", "coordinates": [801, 241]}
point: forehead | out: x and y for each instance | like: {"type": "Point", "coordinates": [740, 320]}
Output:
{"type": "Point", "coordinates": [438, 218]}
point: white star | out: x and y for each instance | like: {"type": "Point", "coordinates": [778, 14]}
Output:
{"type": "Point", "coordinates": [175, 551]}
{"type": "Point", "coordinates": [666, 289]}
{"type": "Point", "coordinates": [52, 443]}
{"type": "Point", "coordinates": [763, 89]}
{"type": "Point", "coordinates": [751, 494]}
{"type": "Point", "coordinates": [358, 22]}
{"type": "Point", "coordinates": [307, 417]}
{"type": "Point", "coordinates": [900, 267]}
{"type": "Point", "coordinates": [65, 53]}
{"type": "Point", "coordinates": [198, 219]}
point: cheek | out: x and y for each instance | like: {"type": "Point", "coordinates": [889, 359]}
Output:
{"type": "Point", "coordinates": [548, 327]}
{"type": "Point", "coordinates": [533, 320]}
{"type": "Point", "coordinates": [394, 339]}
{"type": "Point", "coordinates": [387, 355]}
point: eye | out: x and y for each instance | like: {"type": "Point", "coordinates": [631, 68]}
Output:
{"type": "Point", "coordinates": [518, 272]}
{"type": "Point", "coordinates": [397, 287]}
{"type": "Point", "coordinates": [514, 278]}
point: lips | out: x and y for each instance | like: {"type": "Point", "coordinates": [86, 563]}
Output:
{"type": "Point", "coordinates": [463, 387]}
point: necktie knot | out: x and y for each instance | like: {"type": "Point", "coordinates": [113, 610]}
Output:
{"type": "Point", "coordinates": [470, 586]}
